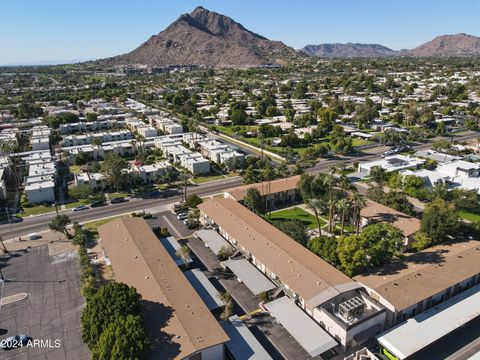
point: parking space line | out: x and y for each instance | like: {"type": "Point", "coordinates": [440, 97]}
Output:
{"type": "Point", "coordinates": [172, 227]}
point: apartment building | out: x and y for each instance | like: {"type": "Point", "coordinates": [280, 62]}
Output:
{"type": "Point", "coordinates": [101, 137]}
{"type": "Point", "coordinates": [415, 283]}
{"type": "Point", "coordinates": [336, 302]}
{"type": "Point", "coordinates": [179, 323]}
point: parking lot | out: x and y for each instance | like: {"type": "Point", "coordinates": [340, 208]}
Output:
{"type": "Point", "coordinates": [52, 309]}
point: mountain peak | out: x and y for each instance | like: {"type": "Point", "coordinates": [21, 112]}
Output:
{"type": "Point", "coordinates": [204, 37]}
{"type": "Point", "coordinates": [460, 44]}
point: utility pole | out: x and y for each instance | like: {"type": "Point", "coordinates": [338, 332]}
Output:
{"type": "Point", "coordinates": [10, 223]}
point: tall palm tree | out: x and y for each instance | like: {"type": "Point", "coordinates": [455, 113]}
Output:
{"type": "Point", "coordinates": [316, 205]}
{"type": "Point", "coordinates": [268, 174]}
{"type": "Point", "coordinates": [184, 176]}
{"type": "Point", "coordinates": [329, 182]}
{"type": "Point", "coordinates": [358, 202]}
{"type": "Point", "coordinates": [343, 205]}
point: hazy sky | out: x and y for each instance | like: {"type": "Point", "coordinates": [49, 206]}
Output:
{"type": "Point", "coordinates": [58, 30]}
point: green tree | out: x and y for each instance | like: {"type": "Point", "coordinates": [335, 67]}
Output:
{"type": "Point", "coordinates": [317, 206]}
{"type": "Point", "coordinates": [253, 201]}
{"type": "Point", "coordinates": [326, 248]}
{"type": "Point", "coordinates": [193, 201]}
{"type": "Point", "coordinates": [123, 338]}
{"type": "Point", "coordinates": [293, 228]}
{"type": "Point", "coordinates": [439, 220]}
{"type": "Point", "coordinates": [112, 168]}
{"type": "Point", "coordinates": [106, 305]}
{"type": "Point", "coordinates": [59, 224]}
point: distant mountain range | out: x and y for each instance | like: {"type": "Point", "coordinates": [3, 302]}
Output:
{"type": "Point", "coordinates": [348, 50]}
{"type": "Point", "coordinates": [441, 46]}
{"type": "Point", "coordinates": [205, 37]}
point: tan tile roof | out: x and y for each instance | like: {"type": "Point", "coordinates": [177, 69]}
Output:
{"type": "Point", "coordinates": [276, 186]}
{"type": "Point", "coordinates": [418, 276]}
{"type": "Point", "coordinates": [304, 272]}
{"type": "Point", "coordinates": [381, 213]}
{"type": "Point", "coordinates": [139, 260]}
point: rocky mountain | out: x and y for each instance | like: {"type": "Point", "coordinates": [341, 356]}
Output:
{"type": "Point", "coordinates": [348, 50]}
{"type": "Point", "coordinates": [204, 37]}
{"type": "Point", "coordinates": [449, 45]}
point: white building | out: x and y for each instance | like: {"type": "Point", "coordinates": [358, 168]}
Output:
{"type": "Point", "coordinates": [166, 125]}
{"type": "Point", "coordinates": [149, 173]}
{"type": "Point", "coordinates": [391, 163]}
{"type": "Point", "coordinates": [102, 137]}
{"type": "Point", "coordinates": [147, 131]}
{"type": "Point", "coordinates": [95, 181]}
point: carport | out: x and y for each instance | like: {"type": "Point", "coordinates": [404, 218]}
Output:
{"type": "Point", "coordinates": [249, 275]}
{"type": "Point", "coordinates": [212, 240]}
{"type": "Point", "coordinates": [173, 246]}
{"type": "Point", "coordinates": [305, 330]}
{"type": "Point", "coordinates": [243, 345]}
{"type": "Point", "coordinates": [204, 288]}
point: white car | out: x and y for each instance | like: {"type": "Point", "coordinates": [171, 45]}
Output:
{"type": "Point", "coordinates": [80, 208]}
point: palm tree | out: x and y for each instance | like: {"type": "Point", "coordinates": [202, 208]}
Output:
{"type": "Point", "coordinates": [268, 174]}
{"type": "Point", "coordinates": [316, 205]}
{"type": "Point", "coordinates": [184, 177]}
{"type": "Point", "coordinates": [329, 181]}
{"type": "Point", "coordinates": [343, 205]}
{"type": "Point", "coordinates": [358, 202]}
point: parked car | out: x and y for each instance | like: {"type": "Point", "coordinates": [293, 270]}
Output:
{"type": "Point", "coordinates": [13, 342]}
{"type": "Point", "coordinates": [80, 208]}
{"type": "Point", "coordinates": [118, 200]}
{"type": "Point", "coordinates": [182, 216]}
{"type": "Point", "coordinates": [97, 203]}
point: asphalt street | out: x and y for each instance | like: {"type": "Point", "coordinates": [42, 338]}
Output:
{"type": "Point", "coordinates": [40, 223]}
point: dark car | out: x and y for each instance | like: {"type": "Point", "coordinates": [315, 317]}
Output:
{"type": "Point", "coordinates": [97, 204]}
{"type": "Point", "coordinates": [118, 200]}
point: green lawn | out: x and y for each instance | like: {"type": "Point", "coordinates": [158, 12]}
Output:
{"type": "Point", "coordinates": [469, 216]}
{"type": "Point", "coordinates": [76, 203]}
{"type": "Point", "coordinates": [117, 195]}
{"type": "Point", "coordinates": [36, 210]}
{"type": "Point", "coordinates": [297, 214]}
{"type": "Point", "coordinates": [95, 224]}
{"type": "Point", "coordinates": [75, 169]}
{"type": "Point", "coordinates": [359, 142]}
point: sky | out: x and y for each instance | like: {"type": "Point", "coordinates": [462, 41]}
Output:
{"type": "Point", "coordinates": [36, 31]}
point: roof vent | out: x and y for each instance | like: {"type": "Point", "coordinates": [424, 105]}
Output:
{"type": "Point", "coordinates": [146, 277]}
{"type": "Point", "coordinates": [396, 284]}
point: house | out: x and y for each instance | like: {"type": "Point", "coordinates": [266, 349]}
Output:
{"type": "Point", "coordinates": [275, 194]}
{"type": "Point", "coordinates": [40, 192]}
{"type": "Point", "coordinates": [430, 178]}
{"type": "Point", "coordinates": [374, 212]}
{"type": "Point", "coordinates": [95, 181]}
{"type": "Point", "coordinates": [417, 282]}
{"type": "Point", "coordinates": [179, 323]}
{"type": "Point", "coordinates": [332, 299]}
{"type": "Point", "coordinates": [150, 173]}
{"type": "Point", "coordinates": [437, 156]}
{"type": "Point", "coordinates": [391, 163]}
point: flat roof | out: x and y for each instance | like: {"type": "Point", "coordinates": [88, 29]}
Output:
{"type": "Point", "coordinates": [204, 288]}
{"type": "Point", "coordinates": [315, 280]}
{"type": "Point", "coordinates": [304, 329]}
{"type": "Point", "coordinates": [172, 246]}
{"type": "Point", "coordinates": [249, 275]}
{"type": "Point", "coordinates": [179, 322]}
{"type": "Point", "coordinates": [422, 330]}
{"type": "Point", "coordinates": [275, 186]}
{"type": "Point", "coordinates": [212, 240]}
{"type": "Point", "coordinates": [418, 276]}
{"type": "Point", "coordinates": [378, 212]}
{"type": "Point", "coordinates": [243, 345]}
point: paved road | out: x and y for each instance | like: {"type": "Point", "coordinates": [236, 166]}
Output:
{"type": "Point", "coordinates": [39, 223]}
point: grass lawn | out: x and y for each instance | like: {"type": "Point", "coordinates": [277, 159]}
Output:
{"type": "Point", "coordinates": [359, 142]}
{"type": "Point", "coordinates": [75, 169]}
{"type": "Point", "coordinates": [36, 210]}
{"type": "Point", "coordinates": [117, 195]}
{"type": "Point", "coordinates": [76, 203]}
{"type": "Point", "coordinates": [204, 179]}
{"type": "Point", "coordinates": [296, 214]}
{"type": "Point", "coordinates": [95, 224]}
{"type": "Point", "coordinates": [469, 216]}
